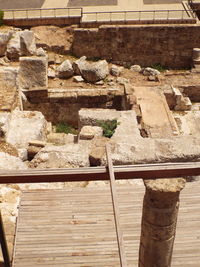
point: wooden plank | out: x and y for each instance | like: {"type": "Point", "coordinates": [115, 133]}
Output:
{"type": "Point", "coordinates": [116, 209]}
{"type": "Point", "coordinates": [145, 171]}
{"type": "Point", "coordinates": [59, 239]}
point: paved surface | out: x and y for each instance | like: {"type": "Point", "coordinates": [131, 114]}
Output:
{"type": "Point", "coordinates": [17, 4]}
{"type": "Point", "coordinates": [75, 227]}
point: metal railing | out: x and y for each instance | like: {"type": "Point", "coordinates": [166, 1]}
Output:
{"type": "Point", "coordinates": [41, 13]}
{"type": "Point", "coordinates": [108, 16]}
{"type": "Point", "coordinates": [144, 15]}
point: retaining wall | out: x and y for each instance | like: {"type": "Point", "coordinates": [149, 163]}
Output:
{"type": "Point", "coordinates": [169, 45]}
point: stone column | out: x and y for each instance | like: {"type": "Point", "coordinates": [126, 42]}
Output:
{"type": "Point", "coordinates": [160, 210]}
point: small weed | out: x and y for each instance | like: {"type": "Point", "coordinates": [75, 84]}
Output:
{"type": "Point", "coordinates": [108, 127]}
{"type": "Point", "coordinates": [63, 127]}
{"type": "Point", "coordinates": [159, 67]}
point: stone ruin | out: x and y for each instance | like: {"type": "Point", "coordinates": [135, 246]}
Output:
{"type": "Point", "coordinates": [157, 116]}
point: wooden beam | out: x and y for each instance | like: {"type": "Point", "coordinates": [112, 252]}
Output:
{"type": "Point", "coordinates": [113, 190]}
{"type": "Point", "coordinates": [145, 171]}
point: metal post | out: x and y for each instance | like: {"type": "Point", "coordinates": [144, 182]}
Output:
{"type": "Point", "coordinates": [4, 246]}
{"type": "Point", "coordinates": [167, 14]}
{"type": "Point", "coordinates": [54, 12]}
{"type": "Point", "coordinates": [13, 14]}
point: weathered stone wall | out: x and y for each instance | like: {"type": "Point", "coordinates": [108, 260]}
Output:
{"type": "Point", "coordinates": [43, 21]}
{"type": "Point", "coordinates": [145, 45]}
{"type": "Point", "coordinates": [64, 105]}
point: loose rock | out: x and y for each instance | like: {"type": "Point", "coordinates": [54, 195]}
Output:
{"type": "Point", "coordinates": [78, 79]}
{"type": "Point", "coordinates": [65, 70]}
{"type": "Point", "coordinates": [150, 71]}
{"type": "Point", "coordinates": [136, 68]}
{"type": "Point", "coordinates": [115, 70]}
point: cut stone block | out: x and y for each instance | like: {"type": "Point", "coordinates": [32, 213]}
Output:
{"type": "Point", "coordinates": [89, 132]}
{"type": "Point", "coordinates": [33, 72]}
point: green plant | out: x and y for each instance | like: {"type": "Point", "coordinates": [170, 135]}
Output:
{"type": "Point", "coordinates": [159, 67]}
{"type": "Point", "coordinates": [63, 127]}
{"type": "Point", "coordinates": [108, 127]}
{"type": "Point", "coordinates": [1, 17]}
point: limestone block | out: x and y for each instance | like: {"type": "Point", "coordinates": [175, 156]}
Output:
{"type": "Point", "coordinates": [8, 162]}
{"type": "Point", "coordinates": [4, 39]}
{"type": "Point", "coordinates": [27, 43]}
{"type": "Point", "coordinates": [65, 70]}
{"type": "Point", "coordinates": [33, 72]}
{"type": "Point", "coordinates": [8, 77]}
{"type": "Point", "coordinates": [91, 116]}
{"type": "Point", "coordinates": [26, 126]}
{"type": "Point", "coordinates": [98, 151]}
{"type": "Point", "coordinates": [89, 132]}
{"type": "Point", "coordinates": [13, 47]}
{"type": "Point", "coordinates": [66, 156]}
{"type": "Point", "coordinates": [127, 128]}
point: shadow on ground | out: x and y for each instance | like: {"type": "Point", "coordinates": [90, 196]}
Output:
{"type": "Point", "coordinates": [10, 4]}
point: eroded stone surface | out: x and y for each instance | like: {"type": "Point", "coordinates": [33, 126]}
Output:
{"type": "Point", "coordinates": [26, 126]}
{"type": "Point", "coordinates": [66, 156]}
{"type": "Point", "coordinates": [33, 72]}
{"type": "Point", "coordinates": [27, 43]}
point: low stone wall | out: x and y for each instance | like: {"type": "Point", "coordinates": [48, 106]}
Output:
{"type": "Point", "coordinates": [170, 46]}
{"type": "Point", "coordinates": [43, 21]}
{"type": "Point", "coordinates": [63, 105]}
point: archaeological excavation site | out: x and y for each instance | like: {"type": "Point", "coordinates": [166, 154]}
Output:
{"type": "Point", "coordinates": [100, 133]}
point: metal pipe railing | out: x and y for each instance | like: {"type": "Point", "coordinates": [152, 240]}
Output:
{"type": "Point", "coordinates": [110, 16]}
{"type": "Point", "coordinates": [140, 15]}
{"type": "Point", "coordinates": [41, 13]}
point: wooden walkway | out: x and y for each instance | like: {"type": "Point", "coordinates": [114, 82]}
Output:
{"type": "Point", "coordinates": [75, 227]}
